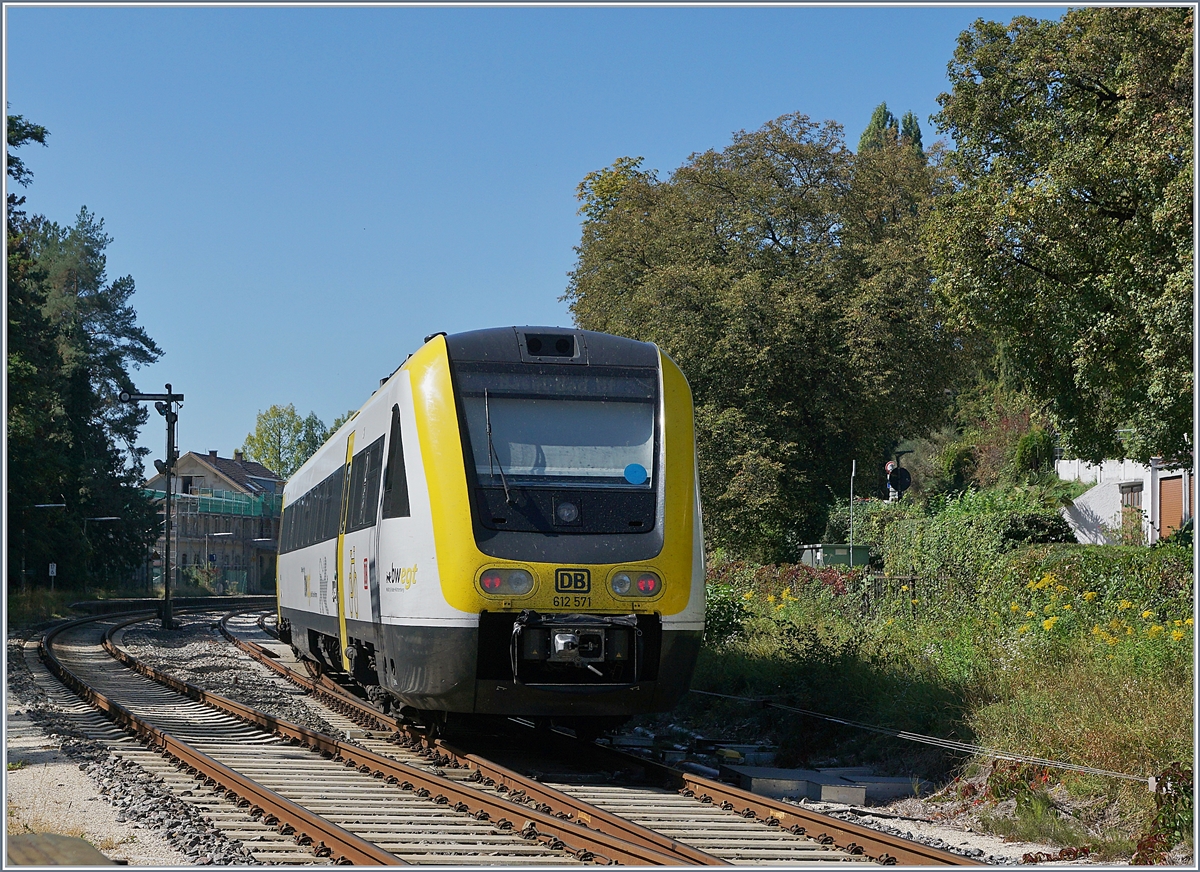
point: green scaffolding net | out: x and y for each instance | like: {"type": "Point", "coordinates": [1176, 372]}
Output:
{"type": "Point", "coordinates": [205, 501]}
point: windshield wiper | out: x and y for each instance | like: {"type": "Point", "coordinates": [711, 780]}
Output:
{"type": "Point", "coordinates": [487, 415]}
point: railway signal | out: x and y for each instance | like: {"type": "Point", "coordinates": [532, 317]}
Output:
{"type": "Point", "coordinates": [164, 404]}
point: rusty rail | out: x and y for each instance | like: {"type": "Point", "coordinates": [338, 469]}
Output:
{"type": "Point", "coordinates": [586, 844]}
{"type": "Point", "coordinates": [853, 838]}
{"type": "Point", "coordinates": [328, 838]}
{"type": "Point", "coordinates": [516, 786]}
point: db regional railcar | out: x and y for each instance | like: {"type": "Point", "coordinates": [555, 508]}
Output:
{"type": "Point", "coordinates": [509, 526]}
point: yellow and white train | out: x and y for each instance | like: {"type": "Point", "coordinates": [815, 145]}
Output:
{"type": "Point", "coordinates": [511, 526]}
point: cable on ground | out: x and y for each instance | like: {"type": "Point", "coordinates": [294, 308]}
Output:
{"type": "Point", "coordinates": [948, 744]}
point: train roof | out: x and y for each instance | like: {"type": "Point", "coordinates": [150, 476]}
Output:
{"type": "Point", "coordinates": [562, 345]}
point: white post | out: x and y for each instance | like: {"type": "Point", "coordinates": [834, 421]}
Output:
{"type": "Point", "coordinates": [853, 469]}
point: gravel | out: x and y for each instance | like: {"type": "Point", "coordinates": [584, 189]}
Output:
{"type": "Point", "coordinates": [199, 654]}
{"type": "Point", "coordinates": [66, 783]}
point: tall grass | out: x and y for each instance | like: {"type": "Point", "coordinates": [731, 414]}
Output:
{"type": "Point", "coordinates": [1075, 653]}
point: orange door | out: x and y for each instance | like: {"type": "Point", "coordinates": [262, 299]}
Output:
{"type": "Point", "coordinates": [1170, 504]}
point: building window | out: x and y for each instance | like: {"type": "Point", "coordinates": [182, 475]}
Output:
{"type": "Point", "coordinates": [1131, 495]}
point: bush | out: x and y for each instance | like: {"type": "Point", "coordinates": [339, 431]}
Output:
{"type": "Point", "coordinates": [724, 613]}
{"type": "Point", "coordinates": [965, 534]}
{"type": "Point", "coordinates": [1034, 452]}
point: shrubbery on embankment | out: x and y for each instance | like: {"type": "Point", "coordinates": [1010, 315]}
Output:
{"type": "Point", "coordinates": [1075, 653]}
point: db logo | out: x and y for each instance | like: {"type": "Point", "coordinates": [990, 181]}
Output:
{"type": "Point", "coordinates": [572, 580]}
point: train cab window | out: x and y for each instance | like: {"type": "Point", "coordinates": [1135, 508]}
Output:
{"type": "Point", "coordinates": [364, 486]}
{"type": "Point", "coordinates": [395, 479]}
{"type": "Point", "coordinates": [547, 426]}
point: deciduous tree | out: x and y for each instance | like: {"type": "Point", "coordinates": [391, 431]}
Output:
{"type": "Point", "coordinates": [282, 441]}
{"type": "Point", "coordinates": [1070, 238]}
{"type": "Point", "coordinates": [784, 282]}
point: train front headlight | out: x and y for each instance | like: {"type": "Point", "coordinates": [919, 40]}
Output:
{"type": "Point", "coordinates": [506, 582]}
{"type": "Point", "coordinates": [636, 584]}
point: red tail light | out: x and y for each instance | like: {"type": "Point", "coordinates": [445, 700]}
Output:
{"type": "Point", "coordinates": [647, 584]}
{"type": "Point", "coordinates": [491, 582]}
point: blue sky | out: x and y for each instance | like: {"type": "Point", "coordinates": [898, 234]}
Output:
{"type": "Point", "coordinates": [302, 194]}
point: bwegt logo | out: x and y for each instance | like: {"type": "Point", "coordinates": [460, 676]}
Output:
{"type": "Point", "coordinates": [572, 580]}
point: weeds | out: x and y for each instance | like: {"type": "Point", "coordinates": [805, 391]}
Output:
{"type": "Point", "coordinates": [1057, 656]}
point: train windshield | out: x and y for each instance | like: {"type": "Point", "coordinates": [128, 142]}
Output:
{"type": "Point", "coordinates": [591, 426]}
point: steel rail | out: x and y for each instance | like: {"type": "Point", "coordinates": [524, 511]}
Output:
{"type": "Point", "coordinates": [852, 838]}
{"type": "Point", "coordinates": [329, 838]}
{"type": "Point", "coordinates": [556, 833]}
{"type": "Point", "coordinates": [517, 787]}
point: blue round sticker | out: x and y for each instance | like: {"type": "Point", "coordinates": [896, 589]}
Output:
{"type": "Point", "coordinates": [635, 473]}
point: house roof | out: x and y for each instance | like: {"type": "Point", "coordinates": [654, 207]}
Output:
{"type": "Point", "coordinates": [235, 474]}
{"type": "Point", "coordinates": [249, 475]}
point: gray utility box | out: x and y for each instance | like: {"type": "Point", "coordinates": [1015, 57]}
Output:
{"type": "Point", "coordinates": [829, 554]}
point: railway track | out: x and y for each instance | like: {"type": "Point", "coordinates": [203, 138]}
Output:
{"type": "Point", "coordinates": [720, 822]}
{"type": "Point", "coordinates": [384, 793]}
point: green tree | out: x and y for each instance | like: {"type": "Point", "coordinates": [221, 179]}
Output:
{"type": "Point", "coordinates": [1069, 240]}
{"type": "Point", "coordinates": [881, 130]}
{"type": "Point", "coordinates": [19, 132]}
{"type": "Point", "coordinates": [282, 441]}
{"type": "Point", "coordinates": [781, 275]}
{"type": "Point", "coordinates": [72, 338]}
{"type": "Point", "coordinates": [338, 422]}
{"type": "Point", "coordinates": [910, 133]}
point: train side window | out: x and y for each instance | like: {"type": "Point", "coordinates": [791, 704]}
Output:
{"type": "Point", "coordinates": [333, 497]}
{"type": "Point", "coordinates": [285, 542]}
{"type": "Point", "coordinates": [395, 479]}
{"type": "Point", "coordinates": [364, 486]}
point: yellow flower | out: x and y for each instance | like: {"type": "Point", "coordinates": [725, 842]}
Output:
{"type": "Point", "coordinates": [1048, 609]}
{"type": "Point", "coordinates": [1061, 588]}
{"type": "Point", "coordinates": [1115, 624]}
{"type": "Point", "coordinates": [1129, 631]}
{"type": "Point", "coordinates": [1049, 623]}
{"type": "Point", "coordinates": [780, 606]}
{"type": "Point", "coordinates": [1024, 628]}
{"type": "Point", "coordinates": [1179, 623]}
{"type": "Point", "coordinates": [1155, 631]}
{"type": "Point", "coordinates": [904, 587]}
{"type": "Point", "coordinates": [1089, 595]}
{"type": "Point", "coordinates": [1124, 604]}
{"type": "Point", "coordinates": [1177, 635]}
{"type": "Point", "coordinates": [1147, 614]}
{"type": "Point", "coordinates": [770, 597]}
{"type": "Point", "coordinates": [914, 602]}
{"type": "Point", "coordinates": [1014, 608]}
{"type": "Point", "coordinates": [1188, 622]}
{"type": "Point", "coordinates": [1030, 614]}
{"type": "Point", "coordinates": [1067, 607]}
{"type": "Point", "coordinates": [748, 595]}
{"type": "Point", "coordinates": [787, 592]}
{"type": "Point", "coordinates": [890, 621]}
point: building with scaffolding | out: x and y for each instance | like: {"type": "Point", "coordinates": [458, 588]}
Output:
{"type": "Point", "coordinates": [225, 523]}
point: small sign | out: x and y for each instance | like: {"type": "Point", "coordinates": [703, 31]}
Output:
{"type": "Point", "coordinates": [573, 580]}
{"type": "Point", "coordinates": [53, 569]}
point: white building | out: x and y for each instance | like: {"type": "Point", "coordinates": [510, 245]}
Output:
{"type": "Point", "coordinates": [1164, 495]}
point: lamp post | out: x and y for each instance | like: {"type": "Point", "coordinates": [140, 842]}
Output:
{"type": "Point", "coordinates": [165, 406]}
{"type": "Point", "coordinates": [35, 506]}
{"type": "Point", "coordinates": [87, 557]}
